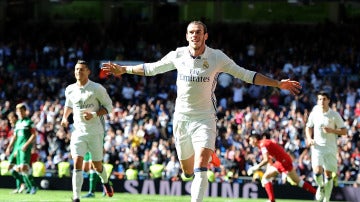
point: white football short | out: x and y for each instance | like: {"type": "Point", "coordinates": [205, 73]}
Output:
{"type": "Point", "coordinates": [80, 144]}
{"type": "Point", "coordinates": [193, 135]}
{"type": "Point", "coordinates": [321, 156]}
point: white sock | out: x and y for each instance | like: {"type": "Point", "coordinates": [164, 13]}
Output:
{"type": "Point", "coordinates": [301, 183]}
{"type": "Point", "coordinates": [328, 188]}
{"type": "Point", "coordinates": [77, 181]}
{"type": "Point", "coordinates": [319, 179]}
{"type": "Point", "coordinates": [103, 176]}
{"type": "Point", "coordinates": [199, 186]}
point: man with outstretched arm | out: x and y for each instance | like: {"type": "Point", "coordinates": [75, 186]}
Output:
{"type": "Point", "coordinates": [194, 121]}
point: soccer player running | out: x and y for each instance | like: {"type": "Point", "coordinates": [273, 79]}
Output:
{"type": "Point", "coordinates": [323, 127]}
{"type": "Point", "coordinates": [14, 170]}
{"type": "Point", "coordinates": [194, 121]}
{"type": "Point", "coordinates": [89, 102]}
{"type": "Point", "coordinates": [22, 142]}
{"type": "Point", "coordinates": [282, 164]}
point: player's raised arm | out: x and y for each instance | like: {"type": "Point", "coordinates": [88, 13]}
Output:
{"type": "Point", "coordinates": [117, 70]}
{"type": "Point", "coordinates": [293, 86]}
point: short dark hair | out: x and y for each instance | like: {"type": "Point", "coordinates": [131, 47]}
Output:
{"type": "Point", "coordinates": [83, 62]}
{"type": "Point", "coordinates": [198, 22]}
{"type": "Point", "coordinates": [324, 93]}
{"type": "Point", "coordinates": [255, 135]}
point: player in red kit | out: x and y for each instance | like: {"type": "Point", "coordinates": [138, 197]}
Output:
{"type": "Point", "coordinates": [282, 164]}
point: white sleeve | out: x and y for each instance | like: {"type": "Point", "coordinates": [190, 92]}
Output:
{"type": "Point", "coordinates": [229, 66]}
{"type": "Point", "coordinates": [310, 123]}
{"type": "Point", "coordinates": [339, 122]}
{"type": "Point", "coordinates": [164, 65]}
{"type": "Point", "coordinates": [68, 102]}
{"type": "Point", "coordinates": [104, 99]}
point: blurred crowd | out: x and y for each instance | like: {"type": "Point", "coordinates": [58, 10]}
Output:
{"type": "Point", "coordinates": [35, 68]}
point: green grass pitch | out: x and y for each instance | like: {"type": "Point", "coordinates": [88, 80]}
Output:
{"type": "Point", "coordinates": [65, 196]}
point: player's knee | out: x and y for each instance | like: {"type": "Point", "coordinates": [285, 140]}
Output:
{"type": "Point", "coordinates": [24, 168]}
{"type": "Point", "coordinates": [98, 167]}
{"type": "Point", "coordinates": [265, 180]}
{"type": "Point", "coordinates": [86, 167]}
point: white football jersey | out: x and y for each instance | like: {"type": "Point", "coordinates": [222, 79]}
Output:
{"type": "Point", "coordinates": [197, 79]}
{"type": "Point", "coordinates": [88, 98]}
{"type": "Point", "coordinates": [318, 119]}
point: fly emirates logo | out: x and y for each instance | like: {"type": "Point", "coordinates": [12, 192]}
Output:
{"type": "Point", "coordinates": [194, 76]}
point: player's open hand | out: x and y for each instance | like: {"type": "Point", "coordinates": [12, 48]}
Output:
{"type": "Point", "coordinates": [112, 68]}
{"type": "Point", "coordinates": [293, 86]}
{"type": "Point", "coordinates": [24, 148]}
{"type": "Point", "coordinates": [252, 169]}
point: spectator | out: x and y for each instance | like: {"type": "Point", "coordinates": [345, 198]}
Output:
{"type": "Point", "coordinates": [172, 169]}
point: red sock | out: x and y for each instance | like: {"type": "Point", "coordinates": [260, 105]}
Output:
{"type": "Point", "coordinates": [270, 191]}
{"type": "Point", "coordinates": [307, 186]}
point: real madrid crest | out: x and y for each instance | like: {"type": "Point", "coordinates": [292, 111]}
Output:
{"type": "Point", "coordinates": [205, 64]}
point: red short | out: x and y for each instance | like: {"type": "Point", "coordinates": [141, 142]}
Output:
{"type": "Point", "coordinates": [283, 166]}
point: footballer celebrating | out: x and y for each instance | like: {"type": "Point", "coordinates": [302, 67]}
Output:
{"type": "Point", "coordinates": [194, 121]}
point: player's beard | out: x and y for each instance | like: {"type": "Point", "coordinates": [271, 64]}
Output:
{"type": "Point", "coordinates": [196, 45]}
{"type": "Point", "coordinates": [196, 48]}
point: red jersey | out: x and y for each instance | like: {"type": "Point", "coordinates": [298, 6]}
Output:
{"type": "Point", "coordinates": [283, 160]}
